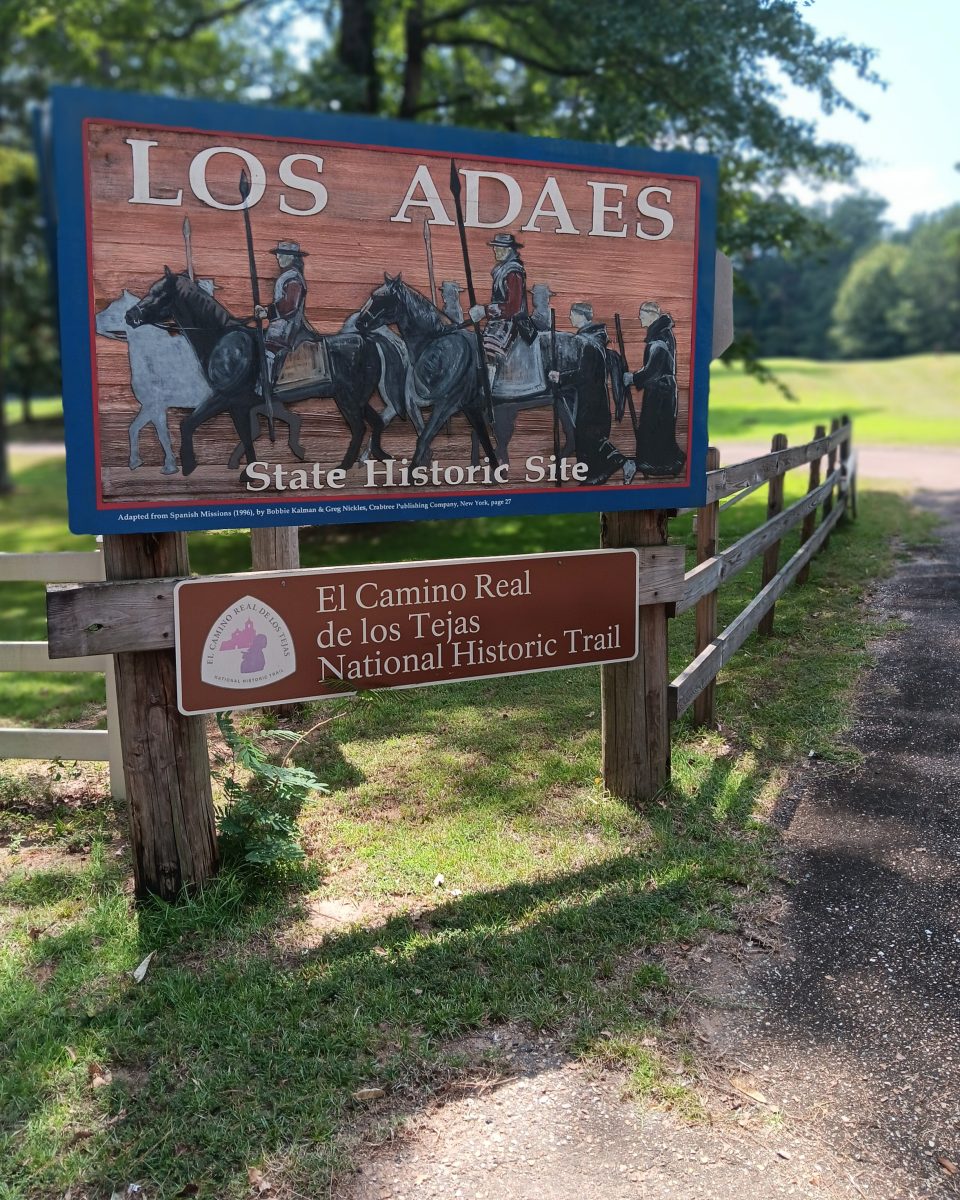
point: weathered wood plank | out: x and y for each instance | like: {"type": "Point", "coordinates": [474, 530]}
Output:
{"type": "Point", "coordinates": [33, 656]}
{"type": "Point", "coordinates": [84, 745]}
{"type": "Point", "coordinates": [706, 666]}
{"type": "Point", "coordinates": [734, 478]}
{"type": "Point", "coordinates": [111, 618]}
{"type": "Point", "coordinates": [709, 575]}
{"type": "Point", "coordinates": [62, 566]}
{"type": "Point", "coordinates": [705, 705]}
{"type": "Point", "coordinates": [276, 549]}
{"type": "Point", "coordinates": [771, 556]}
{"type": "Point", "coordinates": [165, 762]}
{"type": "Point", "coordinates": [636, 733]}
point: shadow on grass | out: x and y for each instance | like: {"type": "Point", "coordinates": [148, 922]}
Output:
{"type": "Point", "coordinates": [244, 1048]}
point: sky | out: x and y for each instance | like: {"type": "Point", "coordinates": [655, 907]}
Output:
{"type": "Point", "coordinates": [912, 140]}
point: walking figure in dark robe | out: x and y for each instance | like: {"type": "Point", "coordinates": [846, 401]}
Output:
{"type": "Point", "coordinates": [657, 449]}
{"type": "Point", "coordinates": [584, 391]}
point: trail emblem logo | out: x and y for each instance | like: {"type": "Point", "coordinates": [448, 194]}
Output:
{"type": "Point", "coordinates": [248, 646]}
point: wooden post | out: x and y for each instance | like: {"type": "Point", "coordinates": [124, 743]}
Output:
{"type": "Point", "coordinates": [166, 767]}
{"type": "Point", "coordinates": [275, 549]}
{"type": "Point", "coordinates": [810, 520]}
{"type": "Point", "coordinates": [636, 731]}
{"type": "Point", "coordinates": [844, 459]}
{"type": "Point", "coordinates": [831, 467]}
{"type": "Point", "coordinates": [771, 556]}
{"type": "Point", "coordinates": [705, 705]}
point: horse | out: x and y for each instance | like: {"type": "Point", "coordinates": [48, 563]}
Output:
{"type": "Point", "coordinates": [155, 359]}
{"type": "Point", "coordinates": [445, 368]}
{"type": "Point", "coordinates": [229, 356]}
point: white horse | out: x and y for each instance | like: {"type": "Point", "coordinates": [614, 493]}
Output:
{"type": "Point", "coordinates": [156, 359]}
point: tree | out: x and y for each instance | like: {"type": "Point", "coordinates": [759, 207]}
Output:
{"type": "Point", "coordinates": [699, 74]}
{"type": "Point", "coordinates": [930, 283]}
{"type": "Point", "coordinates": [868, 315]}
{"type": "Point", "coordinates": [903, 296]}
{"type": "Point", "coordinates": [787, 296]}
{"type": "Point", "coordinates": [181, 47]}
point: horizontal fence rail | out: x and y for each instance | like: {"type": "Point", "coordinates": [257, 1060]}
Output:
{"type": "Point", "coordinates": [87, 745]}
{"type": "Point", "coordinates": [694, 685]}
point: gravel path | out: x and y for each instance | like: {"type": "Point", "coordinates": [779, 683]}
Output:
{"type": "Point", "coordinates": [828, 1043]}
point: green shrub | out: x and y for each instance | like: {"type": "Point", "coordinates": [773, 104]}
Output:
{"type": "Point", "coordinates": [262, 800]}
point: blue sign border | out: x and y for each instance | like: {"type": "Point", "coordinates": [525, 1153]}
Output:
{"type": "Point", "coordinates": [73, 106]}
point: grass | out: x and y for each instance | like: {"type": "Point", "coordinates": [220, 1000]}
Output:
{"type": "Point", "coordinates": [894, 402]}
{"type": "Point", "coordinates": [257, 1023]}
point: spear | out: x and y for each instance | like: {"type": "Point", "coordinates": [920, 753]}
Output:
{"type": "Point", "coordinates": [189, 247]}
{"type": "Point", "coordinates": [428, 243]}
{"type": "Point", "coordinates": [455, 187]}
{"type": "Point", "coordinates": [555, 363]}
{"type": "Point", "coordinates": [623, 355]}
{"type": "Point", "coordinates": [255, 286]}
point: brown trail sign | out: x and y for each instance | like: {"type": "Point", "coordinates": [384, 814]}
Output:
{"type": "Point", "coordinates": [249, 640]}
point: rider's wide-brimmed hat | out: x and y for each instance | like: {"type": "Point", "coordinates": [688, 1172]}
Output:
{"type": "Point", "coordinates": [283, 247]}
{"type": "Point", "coordinates": [505, 239]}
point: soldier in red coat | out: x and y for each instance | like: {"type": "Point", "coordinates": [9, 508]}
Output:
{"type": "Point", "coordinates": [507, 313]}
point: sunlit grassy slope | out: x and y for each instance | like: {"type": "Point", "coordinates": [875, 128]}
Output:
{"type": "Point", "coordinates": [901, 401]}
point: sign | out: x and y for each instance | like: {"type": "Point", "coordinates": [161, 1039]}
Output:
{"type": "Point", "coordinates": [276, 318]}
{"type": "Point", "coordinates": [258, 639]}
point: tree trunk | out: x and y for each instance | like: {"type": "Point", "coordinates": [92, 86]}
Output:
{"type": "Point", "coordinates": [356, 51]}
{"type": "Point", "coordinates": [413, 67]}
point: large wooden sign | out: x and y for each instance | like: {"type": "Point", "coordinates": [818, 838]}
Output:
{"type": "Point", "coordinates": [284, 318]}
{"type": "Point", "coordinates": [256, 639]}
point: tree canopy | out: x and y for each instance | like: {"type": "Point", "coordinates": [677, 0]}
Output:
{"type": "Point", "coordinates": [903, 296]}
{"type": "Point", "coordinates": [697, 74]}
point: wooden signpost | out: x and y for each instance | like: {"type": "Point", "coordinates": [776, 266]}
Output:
{"type": "Point", "coordinates": [270, 317]}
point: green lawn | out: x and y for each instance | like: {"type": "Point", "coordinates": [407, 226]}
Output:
{"type": "Point", "coordinates": [902, 401]}
{"type": "Point", "coordinates": [256, 1025]}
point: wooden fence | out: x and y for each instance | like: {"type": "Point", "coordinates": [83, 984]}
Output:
{"type": "Point", "coordinates": [835, 496]}
{"type": "Point", "coordinates": [91, 745]}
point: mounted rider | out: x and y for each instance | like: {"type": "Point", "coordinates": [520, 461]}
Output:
{"type": "Point", "coordinates": [507, 313]}
{"type": "Point", "coordinates": [286, 314]}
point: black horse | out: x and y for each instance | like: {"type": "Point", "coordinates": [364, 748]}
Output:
{"type": "Point", "coordinates": [444, 360]}
{"type": "Point", "coordinates": [227, 349]}
{"type": "Point", "coordinates": [446, 373]}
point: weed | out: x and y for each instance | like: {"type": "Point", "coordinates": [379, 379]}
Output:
{"type": "Point", "coordinates": [258, 819]}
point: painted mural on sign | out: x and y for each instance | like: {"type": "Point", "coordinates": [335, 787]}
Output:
{"type": "Point", "coordinates": [291, 330]}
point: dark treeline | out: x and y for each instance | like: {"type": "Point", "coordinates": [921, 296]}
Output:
{"type": "Point", "coordinates": [858, 290]}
